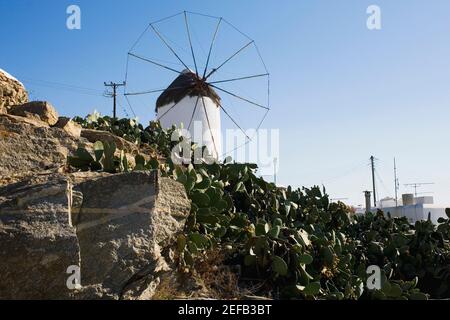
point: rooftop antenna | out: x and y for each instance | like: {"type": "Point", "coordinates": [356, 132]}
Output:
{"type": "Point", "coordinates": [416, 185]}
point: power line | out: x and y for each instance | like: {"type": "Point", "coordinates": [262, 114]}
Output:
{"type": "Point", "coordinates": [68, 88]}
{"type": "Point", "coordinates": [129, 105]}
{"type": "Point", "coordinates": [345, 172]}
{"type": "Point", "coordinates": [60, 84]}
{"type": "Point", "coordinates": [382, 182]}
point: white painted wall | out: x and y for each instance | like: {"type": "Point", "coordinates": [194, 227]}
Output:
{"type": "Point", "coordinates": [413, 213]}
{"type": "Point", "coordinates": [199, 129]}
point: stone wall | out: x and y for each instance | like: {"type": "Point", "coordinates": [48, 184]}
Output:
{"type": "Point", "coordinates": [12, 92]}
{"type": "Point", "coordinates": [114, 228]}
{"type": "Point", "coordinates": [29, 146]}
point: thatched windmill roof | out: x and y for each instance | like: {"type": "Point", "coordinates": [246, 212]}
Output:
{"type": "Point", "coordinates": [186, 84]}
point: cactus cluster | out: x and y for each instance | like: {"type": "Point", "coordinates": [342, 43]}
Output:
{"type": "Point", "coordinates": [106, 160]}
{"type": "Point", "coordinates": [296, 242]}
{"type": "Point", "coordinates": [128, 129]}
{"type": "Point", "coordinates": [305, 245]}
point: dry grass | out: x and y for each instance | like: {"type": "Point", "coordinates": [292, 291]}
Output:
{"type": "Point", "coordinates": [168, 289]}
{"type": "Point", "coordinates": [217, 277]}
{"type": "Point", "coordinates": [209, 278]}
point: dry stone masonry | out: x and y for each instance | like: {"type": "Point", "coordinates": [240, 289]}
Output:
{"type": "Point", "coordinates": [40, 110]}
{"type": "Point", "coordinates": [12, 92]}
{"type": "Point", "coordinates": [112, 227]}
{"type": "Point", "coordinates": [117, 229]}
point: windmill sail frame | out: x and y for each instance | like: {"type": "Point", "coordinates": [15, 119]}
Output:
{"type": "Point", "coordinates": [199, 86]}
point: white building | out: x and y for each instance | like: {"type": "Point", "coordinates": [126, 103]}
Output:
{"type": "Point", "coordinates": [413, 208]}
{"type": "Point", "coordinates": [190, 101]}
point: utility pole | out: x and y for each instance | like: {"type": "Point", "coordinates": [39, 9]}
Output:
{"type": "Point", "coordinates": [372, 162]}
{"type": "Point", "coordinates": [396, 184]}
{"type": "Point", "coordinates": [114, 93]}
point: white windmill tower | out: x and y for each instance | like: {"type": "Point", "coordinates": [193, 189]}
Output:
{"type": "Point", "coordinates": [192, 97]}
{"type": "Point", "coordinates": [191, 102]}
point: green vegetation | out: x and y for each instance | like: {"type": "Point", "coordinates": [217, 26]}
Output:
{"type": "Point", "coordinates": [105, 160]}
{"type": "Point", "coordinates": [128, 129]}
{"type": "Point", "coordinates": [295, 242]}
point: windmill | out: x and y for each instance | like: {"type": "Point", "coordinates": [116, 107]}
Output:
{"type": "Point", "coordinates": [208, 74]}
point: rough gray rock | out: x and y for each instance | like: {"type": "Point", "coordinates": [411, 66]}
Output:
{"type": "Point", "coordinates": [115, 227]}
{"type": "Point", "coordinates": [37, 240]}
{"type": "Point", "coordinates": [130, 149]}
{"type": "Point", "coordinates": [118, 229]}
{"type": "Point", "coordinates": [98, 135]}
{"type": "Point", "coordinates": [41, 110]}
{"type": "Point", "coordinates": [69, 126]}
{"type": "Point", "coordinates": [12, 92]}
{"type": "Point", "coordinates": [122, 224]}
{"type": "Point", "coordinates": [29, 146]}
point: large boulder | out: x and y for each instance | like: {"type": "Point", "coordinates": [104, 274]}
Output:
{"type": "Point", "coordinates": [130, 149]}
{"type": "Point", "coordinates": [28, 146]}
{"type": "Point", "coordinates": [69, 126]}
{"type": "Point", "coordinates": [98, 135]}
{"type": "Point", "coordinates": [116, 228]}
{"type": "Point", "coordinates": [123, 223]}
{"type": "Point", "coordinates": [12, 92]}
{"type": "Point", "coordinates": [37, 240]}
{"type": "Point", "coordinates": [41, 110]}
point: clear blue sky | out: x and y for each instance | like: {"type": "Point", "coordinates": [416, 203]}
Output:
{"type": "Point", "coordinates": [339, 91]}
